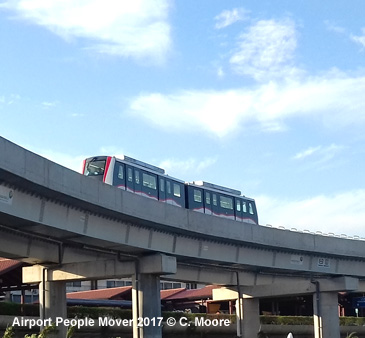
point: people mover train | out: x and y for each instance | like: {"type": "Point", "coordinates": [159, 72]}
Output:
{"type": "Point", "coordinates": [148, 180]}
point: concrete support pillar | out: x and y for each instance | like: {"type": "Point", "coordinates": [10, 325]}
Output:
{"type": "Point", "coordinates": [239, 317]}
{"type": "Point", "coordinates": [146, 305]}
{"type": "Point", "coordinates": [326, 321]}
{"type": "Point", "coordinates": [52, 303]}
{"type": "Point", "coordinates": [251, 317]}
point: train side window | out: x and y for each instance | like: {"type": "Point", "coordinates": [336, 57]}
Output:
{"type": "Point", "coordinates": [177, 190]}
{"type": "Point", "coordinates": [226, 202]}
{"type": "Point", "coordinates": [162, 184]}
{"type": "Point", "coordinates": [238, 205]}
{"type": "Point", "coordinates": [130, 175]}
{"type": "Point", "coordinates": [250, 208]}
{"type": "Point", "coordinates": [214, 199]}
{"type": "Point", "coordinates": [197, 195]}
{"type": "Point", "coordinates": [168, 186]}
{"type": "Point", "coordinates": [136, 176]}
{"type": "Point", "coordinates": [121, 171]}
{"type": "Point", "coordinates": [149, 181]}
{"type": "Point", "coordinates": [244, 206]}
{"type": "Point", "coordinates": [207, 198]}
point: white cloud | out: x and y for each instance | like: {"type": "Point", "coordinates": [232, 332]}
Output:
{"type": "Point", "coordinates": [359, 39]}
{"type": "Point", "coordinates": [266, 50]}
{"type": "Point", "coordinates": [217, 112]}
{"type": "Point", "coordinates": [334, 27]}
{"type": "Point", "coordinates": [180, 168]}
{"type": "Point", "coordinates": [327, 214]}
{"type": "Point", "coordinates": [10, 99]}
{"type": "Point", "coordinates": [48, 104]}
{"type": "Point", "coordinates": [227, 18]}
{"type": "Point", "coordinates": [66, 160]}
{"type": "Point", "coordinates": [306, 153]}
{"type": "Point", "coordinates": [336, 99]}
{"type": "Point", "coordinates": [324, 153]}
{"type": "Point", "coordinates": [124, 28]}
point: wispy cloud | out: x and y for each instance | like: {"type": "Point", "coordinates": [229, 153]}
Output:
{"type": "Point", "coordinates": [181, 168]}
{"type": "Point", "coordinates": [327, 214]}
{"type": "Point", "coordinates": [359, 39]}
{"type": "Point", "coordinates": [229, 17]}
{"type": "Point", "coordinates": [333, 27]}
{"type": "Point", "coordinates": [269, 106]}
{"type": "Point", "coordinates": [306, 153]}
{"type": "Point", "coordinates": [319, 157]}
{"type": "Point", "coordinates": [324, 152]}
{"type": "Point", "coordinates": [48, 104]}
{"type": "Point", "coordinates": [266, 50]}
{"type": "Point", "coordinates": [136, 29]}
{"type": "Point", "coordinates": [9, 99]}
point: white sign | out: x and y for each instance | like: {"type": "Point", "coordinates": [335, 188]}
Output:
{"type": "Point", "coordinates": [323, 262]}
{"type": "Point", "coordinates": [6, 195]}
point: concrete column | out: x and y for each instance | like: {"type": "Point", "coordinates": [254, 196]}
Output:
{"type": "Point", "coordinates": [239, 317]}
{"type": "Point", "coordinates": [146, 305]}
{"type": "Point", "coordinates": [52, 303]}
{"type": "Point", "coordinates": [326, 321]}
{"type": "Point", "coordinates": [251, 317]}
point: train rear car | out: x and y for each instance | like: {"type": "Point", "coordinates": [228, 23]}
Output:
{"type": "Point", "coordinates": [220, 201]}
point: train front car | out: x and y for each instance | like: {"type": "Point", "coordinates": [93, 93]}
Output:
{"type": "Point", "coordinates": [98, 167]}
{"type": "Point", "coordinates": [220, 201]}
{"type": "Point", "coordinates": [138, 177]}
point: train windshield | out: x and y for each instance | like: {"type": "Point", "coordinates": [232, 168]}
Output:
{"type": "Point", "coordinates": [94, 167]}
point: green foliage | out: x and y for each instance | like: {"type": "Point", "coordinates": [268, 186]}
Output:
{"type": "Point", "coordinates": [44, 333]}
{"type": "Point", "coordinates": [352, 335]}
{"type": "Point", "coordinates": [15, 309]}
{"type": "Point", "coordinates": [70, 332]}
{"type": "Point", "coordinates": [9, 332]}
{"type": "Point", "coordinates": [352, 321]}
{"type": "Point", "coordinates": [286, 320]}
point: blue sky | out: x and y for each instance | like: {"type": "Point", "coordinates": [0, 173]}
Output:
{"type": "Point", "coordinates": [261, 96]}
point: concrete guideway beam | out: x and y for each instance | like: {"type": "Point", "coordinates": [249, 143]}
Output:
{"type": "Point", "coordinates": [158, 264]}
{"type": "Point", "coordinates": [33, 249]}
{"type": "Point", "coordinates": [337, 284]}
{"type": "Point", "coordinates": [73, 221]}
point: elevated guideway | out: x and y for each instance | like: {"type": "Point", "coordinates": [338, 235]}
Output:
{"type": "Point", "coordinates": [65, 222]}
{"type": "Point", "coordinates": [63, 206]}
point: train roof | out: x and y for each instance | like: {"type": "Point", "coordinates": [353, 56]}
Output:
{"type": "Point", "coordinates": [140, 164]}
{"type": "Point", "coordinates": [216, 187]}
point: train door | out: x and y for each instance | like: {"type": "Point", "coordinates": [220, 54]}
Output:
{"type": "Point", "coordinates": [215, 208]}
{"type": "Point", "coordinates": [252, 212]}
{"type": "Point", "coordinates": [129, 181]}
{"type": "Point", "coordinates": [208, 202]}
{"type": "Point", "coordinates": [169, 199]}
{"type": "Point", "coordinates": [119, 175]}
{"type": "Point", "coordinates": [137, 181]}
{"type": "Point", "coordinates": [238, 209]}
{"type": "Point", "coordinates": [162, 189]}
